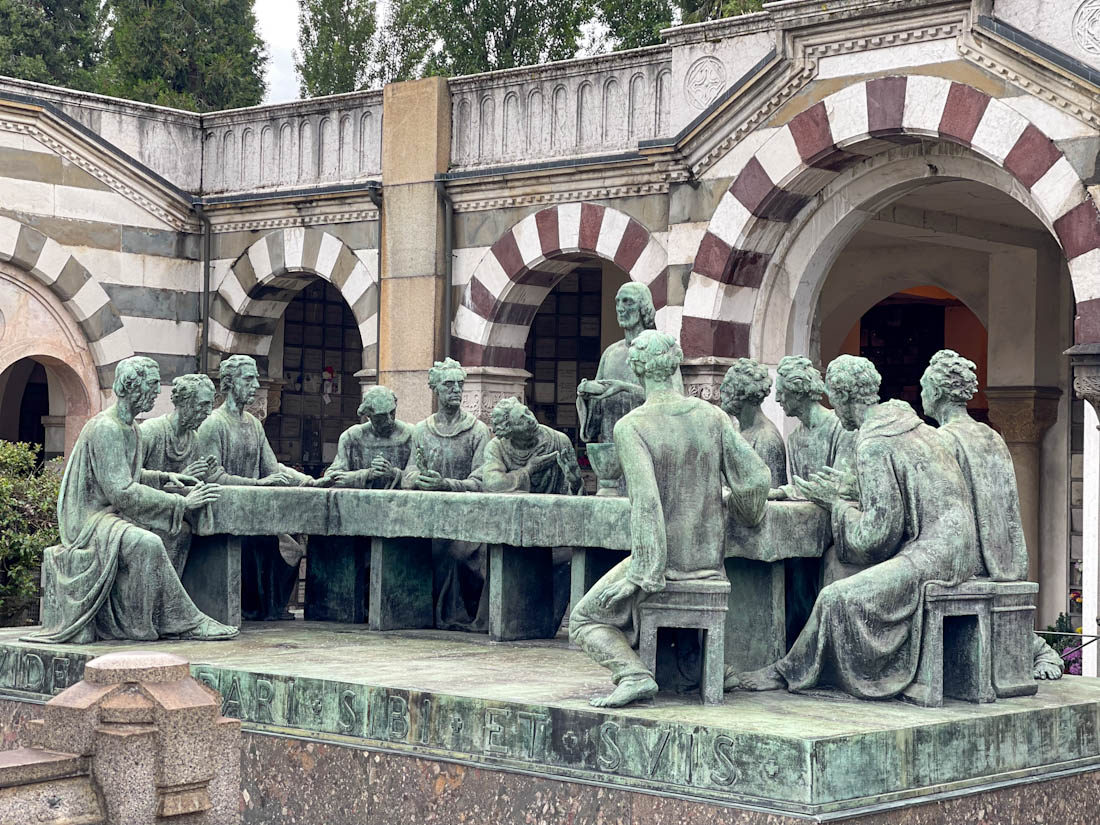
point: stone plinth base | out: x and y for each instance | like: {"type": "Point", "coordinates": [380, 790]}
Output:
{"type": "Point", "coordinates": [348, 726]}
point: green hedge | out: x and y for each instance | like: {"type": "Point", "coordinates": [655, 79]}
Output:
{"type": "Point", "coordinates": [28, 525]}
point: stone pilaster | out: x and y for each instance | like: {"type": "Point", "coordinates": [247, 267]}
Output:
{"type": "Point", "coordinates": [416, 146]}
{"type": "Point", "coordinates": [1023, 415]}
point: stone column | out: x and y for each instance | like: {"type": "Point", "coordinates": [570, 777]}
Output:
{"type": "Point", "coordinates": [1086, 385]}
{"type": "Point", "coordinates": [416, 146]}
{"type": "Point", "coordinates": [1023, 415]}
{"type": "Point", "coordinates": [55, 435]}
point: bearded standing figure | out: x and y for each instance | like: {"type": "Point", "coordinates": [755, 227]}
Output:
{"type": "Point", "coordinates": [111, 578]}
{"type": "Point", "coordinates": [912, 525]}
{"type": "Point", "coordinates": [676, 453]}
{"type": "Point", "coordinates": [615, 391]}
{"type": "Point", "coordinates": [236, 440]}
{"type": "Point", "coordinates": [169, 444]}
{"type": "Point", "coordinates": [447, 447]}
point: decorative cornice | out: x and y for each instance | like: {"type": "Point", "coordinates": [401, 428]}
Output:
{"type": "Point", "coordinates": [563, 196]}
{"type": "Point", "coordinates": [179, 219]}
{"type": "Point", "coordinates": [1003, 61]}
{"type": "Point", "coordinates": [759, 115]}
{"type": "Point", "coordinates": [939, 31]}
{"type": "Point", "coordinates": [351, 216]}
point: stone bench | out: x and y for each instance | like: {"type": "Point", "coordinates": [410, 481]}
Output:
{"type": "Point", "coordinates": [975, 642]}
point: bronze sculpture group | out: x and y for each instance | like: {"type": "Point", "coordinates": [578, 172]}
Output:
{"type": "Point", "coordinates": [908, 504]}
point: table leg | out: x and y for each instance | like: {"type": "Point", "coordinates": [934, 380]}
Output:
{"type": "Point", "coordinates": [213, 577]}
{"type": "Point", "coordinates": [400, 584]}
{"type": "Point", "coordinates": [588, 566]}
{"type": "Point", "coordinates": [756, 622]}
{"type": "Point", "coordinates": [336, 579]}
{"type": "Point", "coordinates": [521, 593]}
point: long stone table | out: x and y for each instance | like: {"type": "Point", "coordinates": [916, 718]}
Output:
{"type": "Point", "coordinates": [520, 530]}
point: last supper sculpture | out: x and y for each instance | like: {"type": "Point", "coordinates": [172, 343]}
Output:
{"type": "Point", "coordinates": [913, 517]}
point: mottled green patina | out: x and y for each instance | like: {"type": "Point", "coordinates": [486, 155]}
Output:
{"type": "Point", "coordinates": [525, 707]}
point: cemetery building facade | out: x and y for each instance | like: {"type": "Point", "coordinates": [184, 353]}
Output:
{"type": "Point", "coordinates": [875, 177]}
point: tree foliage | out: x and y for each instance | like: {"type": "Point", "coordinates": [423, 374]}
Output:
{"type": "Point", "coordinates": [634, 23]}
{"type": "Point", "coordinates": [51, 41]}
{"type": "Point", "coordinates": [696, 11]}
{"type": "Point", "coordinates": [335, 38]}
{"type": "Point", "coordinates": [456, 37]}
{"type": "Point", "coordinates": [201, 55]}
{"type": "Point", "coordinates": [28, 523]}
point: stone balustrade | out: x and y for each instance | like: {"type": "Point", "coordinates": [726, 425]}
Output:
{"type": "Point", "coordinates": [326, 141]}
{"type": "Point", "coordinates": [599, 105]}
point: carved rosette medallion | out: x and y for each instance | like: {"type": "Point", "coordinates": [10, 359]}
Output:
{"type": "Point", "coordinates": [1086, 26]}
{"type": "Point", "coordinates": [705, 80]}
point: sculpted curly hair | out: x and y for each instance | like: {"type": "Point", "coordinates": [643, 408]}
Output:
{"type": "Point", "coordinates": [375, 397]}
{"type": "Point", "coordinates": [441, 368]}
{"type": "Point", "coordinates": [750, 378]}
{"type": "Point", "coordinates": [131, 373]}
{"type": "Point", "coordinates": [184, 387]}
{"type": "Point", "coordinates": [955, 375]}
{"type": "Point", "coordinates": [655, 354]}
{"type": "Point", "coordinates": [801, 376]}
{"type": "Point", "coordinates": [852, 377]}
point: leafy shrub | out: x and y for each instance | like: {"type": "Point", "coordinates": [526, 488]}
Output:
{"type": "Point", "coordinates": [28, 525]}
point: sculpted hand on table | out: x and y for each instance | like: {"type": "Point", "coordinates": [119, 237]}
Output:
{"type": "Point", "coordinates": [278, 479]}
{"type": "Point", "coordinates": [818, 489]}
{"type": "Point", "coordinates": [429, 480]}
{"type": "Point", "coordinates": [201, 468]}
{"type": "Point", "coordinates": [201, 495]}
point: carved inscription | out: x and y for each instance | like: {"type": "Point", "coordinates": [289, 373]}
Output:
{"type": "Point", "coordinates": [39, 671]}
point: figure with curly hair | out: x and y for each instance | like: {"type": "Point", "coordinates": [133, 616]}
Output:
{"type": "Point", "coordinates": [111, 578]}
{"type": "Point", "coordinates": [911, 525]}
{"type": "Point", "coordinates": [239, 445]}
{"type": "Point", "coordinates": [819, 441]}
{"type": "Point", "coordinates": [677, 455]}
{"type": "Point", "coordinates": [447, 447]}
{"type": "Point", "coordinates": [743, 390]}
{"type": "Point", "coordinates": [169, 445]}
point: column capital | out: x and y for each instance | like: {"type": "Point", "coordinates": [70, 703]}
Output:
{"type": "Point", "coordinates": [485, 386]}
{"type": "Point", "coordinates": [1023, 414]}
{"type": "Point", "coordinates": [703, 376]}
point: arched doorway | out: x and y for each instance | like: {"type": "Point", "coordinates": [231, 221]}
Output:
{"type": "Point", "coordinates": [49, 382]}
{"type": "Point", "coordinates": [315, 353]}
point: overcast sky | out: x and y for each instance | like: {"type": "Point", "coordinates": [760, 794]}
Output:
{"type": "Point", "coordinates": [278, 21]}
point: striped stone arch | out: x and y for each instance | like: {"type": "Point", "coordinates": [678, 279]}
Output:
{"type": "Point", "coordinates": [518, 271]}
{"type": "Point", "coordinates": [79, 292]}
{"type": "Point", "coordinates": [269, 274]}
{"type": "Point", "coordinates": [857, 122]}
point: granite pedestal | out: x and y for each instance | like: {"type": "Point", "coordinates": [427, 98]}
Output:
{"type": "Point", "coordinates": [348, 725]}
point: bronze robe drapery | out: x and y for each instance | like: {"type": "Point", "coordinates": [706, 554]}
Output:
{"type": "Point", "coordinates": [359, 446]}
{"type": "Point", "coordinates": [674, 478]}
{"type": "Point", "coordinates": [454, 450]}
{"type": "Point", "coordinates": [164, 450]}
{"type": "Point", "coordinates": [240, 447]}
{"type": "Point", "coordinates": [913, 525]}
{"type": "Point", "coordinates": [111, 578]}
{"type": "Point", "coordinates": [987, 466]}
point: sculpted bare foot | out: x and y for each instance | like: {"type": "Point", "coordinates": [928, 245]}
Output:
{"type": "Point", "coordinates": [731, 681]}
{"type": "Point", "coordinates": [627, 691]}
{"type": "Point", "coordinates": [766, 678]}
